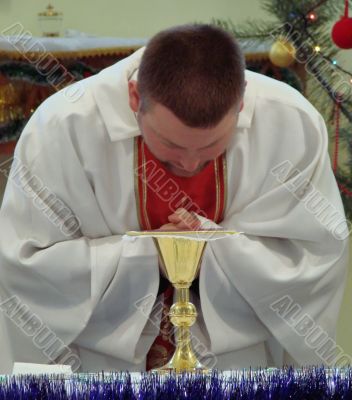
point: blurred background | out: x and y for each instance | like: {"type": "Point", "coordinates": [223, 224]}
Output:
{"type": "Point", "coordinates": [82, 37]}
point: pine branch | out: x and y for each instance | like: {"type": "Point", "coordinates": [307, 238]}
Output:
{"type": "Point", "coordinates": [324, 78]}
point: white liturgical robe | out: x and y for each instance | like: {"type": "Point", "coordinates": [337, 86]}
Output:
{"type": "Point", "coordinates": [68, 278]}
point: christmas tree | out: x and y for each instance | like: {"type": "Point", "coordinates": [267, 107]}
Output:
{"type": "Point", "coordinates": [300, 33]}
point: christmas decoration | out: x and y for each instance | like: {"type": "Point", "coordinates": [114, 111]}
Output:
{"type": "Point", "coordinates": [312, 16]}
{"type": "Point", "coordinates": [50, 21]}
{"type": "Point", "coordinates": [282, 53]}
{"type": "Point", "coordinates": [9, 100]}
{"type": "Point", "coordinates": [261, 384]}
{"type": "Point", "coordinates": [18, 78]}
{"type": "Point", "coordinates": [327, 85]}
{"type": "Point", "coordinates": [342, 31]}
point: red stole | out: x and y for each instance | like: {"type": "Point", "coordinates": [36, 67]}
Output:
{"type": "Point", "coordinates": [159, 194]}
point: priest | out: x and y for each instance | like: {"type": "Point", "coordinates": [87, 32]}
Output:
{"type": "Point", "coordinates": [177, 136]}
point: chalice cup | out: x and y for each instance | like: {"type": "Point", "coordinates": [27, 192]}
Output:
{"type": "Point", "coordinates": [180, 253]}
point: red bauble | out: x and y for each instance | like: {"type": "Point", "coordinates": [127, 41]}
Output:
{"type": "Point", "coordinates": [342, 33]}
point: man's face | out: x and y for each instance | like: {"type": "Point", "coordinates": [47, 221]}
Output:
{"type": "Point", "coordinates": [183, 150]}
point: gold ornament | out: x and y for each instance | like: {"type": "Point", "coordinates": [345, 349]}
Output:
{"type": "Point", "coordinates": [10, 103]}
{"type": "Point", "coordinates": [282, 53]}
{"type": "Point", "coordinates": [50, 21]}
{"type": "Point", "coordinates": [49, 12]}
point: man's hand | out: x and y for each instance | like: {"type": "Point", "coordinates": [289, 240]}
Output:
{"type": "Point", "coordinates": [182, 220]}
{"type": "Point", "coordinates": [168, 227]}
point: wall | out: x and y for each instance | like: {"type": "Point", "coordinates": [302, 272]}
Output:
{"type": "Point", "coordinates": [133, 18]}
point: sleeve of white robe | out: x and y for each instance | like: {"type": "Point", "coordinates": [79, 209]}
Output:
{"type": "Point", "coordinates": [58, 278]}
{"type": "Point", "coordinates": [290, 263]}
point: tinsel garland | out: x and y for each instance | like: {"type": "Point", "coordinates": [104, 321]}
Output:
{"type": "Point", "coordinates": [284, 74]}
{"type": "Point", "coordinates": [21, 70]}
{"type": "Point", "coordinates": [312, 383]}
{"type": "Point", "coordinates": [8, 131]}
{"type": "Point", "coordinates": [24, 72]}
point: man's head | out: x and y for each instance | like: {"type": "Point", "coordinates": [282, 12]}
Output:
{"type": "Point", "coordinates": [188, 96]}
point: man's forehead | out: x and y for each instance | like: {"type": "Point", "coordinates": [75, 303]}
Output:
{"type": "Point", "coordinates": [185, 146]}
{"type": "Point", "coordinates": [166, 125]}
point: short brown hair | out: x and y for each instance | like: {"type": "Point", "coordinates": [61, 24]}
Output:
{"type": "Point", "coordinates": [196, 71]}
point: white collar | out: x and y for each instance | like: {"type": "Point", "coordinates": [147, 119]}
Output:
{"type": "Point", "coordinates": [250, 94]}
{"type": "Point", "coordinates": [111, 96]}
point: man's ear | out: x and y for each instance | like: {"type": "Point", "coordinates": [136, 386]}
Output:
{"type": "Point", "coordinates": [133, 95]}
{"type": "Point", "coordinates": [242, 102]}
{"type": "Point", "coordinates": [241, 106]}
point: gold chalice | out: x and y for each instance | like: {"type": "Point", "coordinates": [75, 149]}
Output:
{"type": "Point", "coordinates": [181, 253]}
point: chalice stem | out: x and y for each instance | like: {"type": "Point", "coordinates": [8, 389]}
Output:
{"type": "Point", "coordinates": [182, 293]}
{"type": "Point", "coordinates": [184, 352]}
{"type": "Point", "coordinates": [184, 349]}
{"type": "Point", "coordinates": [184, 358]}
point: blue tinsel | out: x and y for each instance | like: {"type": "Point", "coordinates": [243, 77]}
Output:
{"type": "Point", "coordinates": [264, 384]}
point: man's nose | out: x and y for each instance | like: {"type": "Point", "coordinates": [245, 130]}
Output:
{"type": "Point", "coordinates": [190, 164]}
